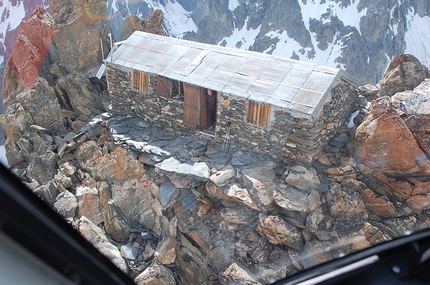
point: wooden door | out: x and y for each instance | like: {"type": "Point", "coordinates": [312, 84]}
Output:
{"type": "Point", "coordinates": [164, 87]}
{"type": "Point", "coordinates": [203, 110]}
{"type": "Point", "coordinates": [192, 109]}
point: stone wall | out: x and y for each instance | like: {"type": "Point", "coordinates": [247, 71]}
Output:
{"type": "Point", "coordinates": [295, 139]}
{"type": "Point", "coordinates": [167, 113]}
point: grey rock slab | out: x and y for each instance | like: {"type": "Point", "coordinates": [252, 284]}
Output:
{"type": "Point", "coordinates": [160, 144]}
{"type": "Point", "coordinates": [291, 200]}
{"type": "Point", "coordinates": [184, 154]}
{"type": "Point", "coordinates": [223, 177]}
{"type": "Point", "coordinates": [119, 129]}
{"type": "Point", "coordinates": [128, 251]}
{"type": "Point", "coordinates": [136, 144]}
{"type": "Point", "coordinates": [303, 178]}
{"type": "Point", "coordinates": [198, 170]}
{"type": "Point", "coordinates": [167, 193]}
{"type": "Point", "coordinates": [155, 150]}
{"type": "Point", "coordinates": [189, 201]}
{"type": "Point", "coordinates": [94, 131]}
{"type": "Point", "coordinates": [69, 137]}
{"type": "Point", "coordinates": [220, 158]}
{"type": "Point", "coordinates": [245, 160]}
{"type": "Point", "coordinates": [66, 204]}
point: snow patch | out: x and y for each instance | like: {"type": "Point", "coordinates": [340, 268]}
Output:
{"type": "Point", "coordinates": [233, 4]}
{"type": "Point", "coordinates": [285, 46]}
{"type": "Point", "coordinates": [177, 20]}
{"type": "Point", "coordinates": [3, 158]}
{"type": "Point", "coordinates": [348, 15]}
{"type": "Point", "coordinates": [241, 36]}
{"type": "Point", "coordinates": [418, 39]}
{"type": "Point", "coordinates": [15, 15]}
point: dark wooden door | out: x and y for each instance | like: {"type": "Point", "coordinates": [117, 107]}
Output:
{"type": "Point", "coordinates": [164, 87]}
{"type": "Point", "coordinates": [203, 110]}
{"type": "Point", "coordinates": [192, 109]}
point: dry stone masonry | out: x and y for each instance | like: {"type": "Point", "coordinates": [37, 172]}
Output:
{"type": "Point", "coordinates": [302, 105]}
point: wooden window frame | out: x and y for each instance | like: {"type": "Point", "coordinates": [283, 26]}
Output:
{"type": "Point", "coordinates": [140, 81]}
{"type": "Point", "coordinates": [258, 114]}
{"type": "Point", "coordinates": [175, 88]}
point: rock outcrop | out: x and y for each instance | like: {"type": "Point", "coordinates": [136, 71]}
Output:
{"type": "Point", "coordinates": [202, 215]}
{"type": "Point", "coordinates": [152, 24]}
{"type": "Point", "coordinates": [391, 145]}
{"type": "Point", "coordinates": [405, 72]}
{"type": "Point", "coordinates": [30, 51]}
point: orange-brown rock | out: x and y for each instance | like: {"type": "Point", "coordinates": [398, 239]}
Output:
{"type": "Point", "coordinates": [420, 128]}
{"type": "Point", "coordinates": [378, 205]}
{"type": "Point", "coordinates": [405, 72]}
{"type": "Point", "coordinates": [419, 203]}
{"type": "Point", "coordinates": [384, 143]}
{"type": "Point", "coordinates": [119, 165]}
{"type": "Point", "coordinates": [32, 45]}
{"type": "Point", "coordinates": [278, 231]}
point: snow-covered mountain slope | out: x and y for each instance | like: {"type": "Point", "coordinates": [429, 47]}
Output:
{"type": "Point", "coordinates": [360, 36]}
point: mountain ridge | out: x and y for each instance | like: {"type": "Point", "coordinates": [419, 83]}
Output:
{"type": "Point", "coordinates": [358, 36]}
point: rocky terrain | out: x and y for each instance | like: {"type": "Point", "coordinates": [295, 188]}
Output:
{"type": "Point", "coordinates": [178, 208]}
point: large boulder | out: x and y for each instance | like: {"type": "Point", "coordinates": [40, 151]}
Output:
{"type": "Point", "coordinates": [384, 143]}
{"type": "Point", "coordinates": [78, 93]}
{"type": "Point", "coordinates": [117, 166]}
{"type": "Point", "coordinates": [98, 239]}
{"type": "Point", "coordinates": [405, 72]}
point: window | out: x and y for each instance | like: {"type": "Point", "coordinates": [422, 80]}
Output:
{"type": "Point", "coordinates": [169, 88]}
{"type": "Point", "coordinates": [140, 81]}
{"type": "Point", "coordinates": [258, 114]}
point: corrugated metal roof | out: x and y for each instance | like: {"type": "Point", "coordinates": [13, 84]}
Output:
{"type": "Point", "coordinates": [299, 86]}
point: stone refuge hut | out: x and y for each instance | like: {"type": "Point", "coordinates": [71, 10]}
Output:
{"type": "Point", "coordinates": [264, 103]}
